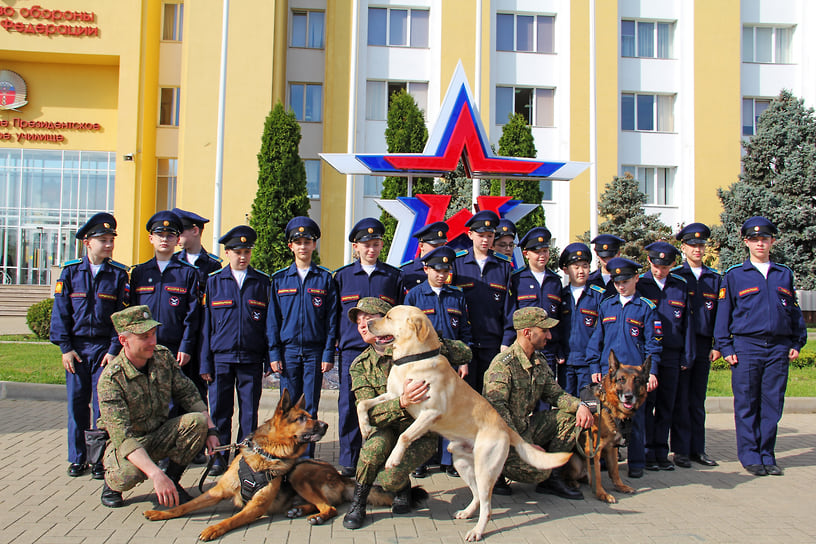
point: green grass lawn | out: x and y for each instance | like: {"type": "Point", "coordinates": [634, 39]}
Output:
{"type": "Point", "coordinates": [20, 338]}
{"type": "Point", "coordinates": [801, 383]}
{"type": "Point", "coordinates": [33, 363]}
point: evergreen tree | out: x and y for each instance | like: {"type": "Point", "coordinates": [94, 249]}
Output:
{"type": "Point", "coordinates": [778, 181]}
{"type": "Point", "coordinates": [405, 133]}
{"type": "Point", "coordinates": [281, 190]}
{"type": "Point", "coordinates": [622, 205]}
{"type": "Point", "coordinates": [460, 187]}
{"type": "Point", "coordinates": [517, 141]}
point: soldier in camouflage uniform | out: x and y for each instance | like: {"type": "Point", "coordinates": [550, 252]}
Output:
{"type": "Point", "coordinates": [369, 378]}
{"type": "Point", "coordinates": [517, 379]}
{"type": "Point", "coordinates": [134, 392]}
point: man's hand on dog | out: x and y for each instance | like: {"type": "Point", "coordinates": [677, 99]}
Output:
{"type": "Point", "coordinates": [413, 392]}
{"type": "Point", "coordinates": [584, 417]}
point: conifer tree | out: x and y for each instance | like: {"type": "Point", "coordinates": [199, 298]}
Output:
{"type": "Point", "coordinates": [778, 181]}
{"type": "Point", "coordinates": [281, 191]}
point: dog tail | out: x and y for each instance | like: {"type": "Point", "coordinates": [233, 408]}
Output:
{"type": "Point", "coordinates": [381, 497]}
{"type": "Point", "coordinates": [536, 456]}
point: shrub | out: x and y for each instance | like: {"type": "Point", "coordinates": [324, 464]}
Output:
{"type": "Point", "coordinates": [38, 318]}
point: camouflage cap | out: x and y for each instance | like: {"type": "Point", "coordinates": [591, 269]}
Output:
{"type": "Point", "coordinates": [369, 305]}
{"type": "Point", "coordinates": [533, 316]}
{"type": "Point", "coordinates": [136, 319]}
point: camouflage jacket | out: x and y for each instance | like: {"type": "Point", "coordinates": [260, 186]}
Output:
{"type": "Point", "coordinates": [133, 404]}
{"type": "Point", "coordinates": [369, 378]}
{"type": "Point", "coordinates": [514, 384]}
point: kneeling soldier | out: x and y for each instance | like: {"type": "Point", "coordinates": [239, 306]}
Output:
{"type": "Point", "coordinates": [135, 391]}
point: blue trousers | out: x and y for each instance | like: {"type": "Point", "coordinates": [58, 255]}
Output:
{"type": "Point", "coordinates": [302, 376]}
{"type": "Point", "coordinates": [758, 381]}
{"type": "Point", "coordinates": [348, 426]}
{"type": "Point", "coordinates": [575, 378]}
{"type": "Point", "coordinates": [688, 420]}
{"type": "Point", "coordinates": [659, 409]}
{"type": "Point", "coordinates": [82, 399]}
{"type": "Point", "coordinates": [635, 449]}
{"type": "Point", "coordinates": [246, 380]}
{"type": "Point", "coordinates": [482, 357]}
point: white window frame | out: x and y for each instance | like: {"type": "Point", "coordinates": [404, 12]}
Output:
{"type": "Point", "coordinates": [543, 49]}
{"type": "Point", "coordinates": [754, 115]}
{"type": "Point", "coordinates": [309, 14]}
{"type": "Point", "coordinates": [301, 115]}
{"type": "Point", "coordinates": [534, 113]}
{"type": "Point", "coordinates": [657, 109]}
{"type": "Point", "coordinates": [378, 111]}
{"type": "Point", "coordinates": [655, 38]}
{"type": "Point", "coordinates": [660, 188]}
{"type": "Point", "coordinates": [776, 56]}
{"type": "Point", "coordinates": [175, 106]}
{"type": "Point", "coordinates": [409, 31]}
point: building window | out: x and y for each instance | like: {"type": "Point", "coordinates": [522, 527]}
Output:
{"type": "Point", "coordinates": [166, 183]}
{"type": "Point", "coordinates": [379, 93]}
{"type": "Point", "coordinates": [766, 44]}
{"type": "Point", "coordinates": [752, 108]}
{"type": "Point", "coordinates": [307, 29]}
{"type": "Point", "coordinates": [169, 106]}
{"type": "Point", "coordinates": [533, 33]}
{"type": "Point", "coordinates": [649, 112]}
{"type": "Point", "coordinates": [306, 100]}
{"type": "Point", "coordinates": [312, 177]}
{"type": "Point", "coordinates": [373, 185]}
{"type": "Point", "coordinates": [398, 27]}
{"type": "Point", "coordinates": [646, 39]}
{"type": "Point", "coordinates": [536, 105]}
{"type": "Point", "coordinates": [545, 185]}
{"type": "Point", "coordinates": [172, 25]}
{"type": "Point", "coordinates": [657, 183]}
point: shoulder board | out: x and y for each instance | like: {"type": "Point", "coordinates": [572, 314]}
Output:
{"type": "Point", "coordinates": [214, 272]}
{"type": "Point", "coordinates": [262, 273]}
{"type": "Point", "coordinates": [676, 268]}
{"type": "Point", "coordinates": [641, 275]}
{"type": "Point", "coordinates": [461, 252]}
{"type": "Point", "coordinates": [336, 270]}
{"type": "Point", "coordinates": [733, 267]}
{"type": "Point", "coordinates": [118, 265]}
{"type": "Point", "coordinates": [215, 258]}
{"type": "Point", "coordinates": [681, 278]}
{"type": "Point", "coordinates": [649, 303]}
{"type": "Point", "coordinates": [503, 257]}
{"type": "Point", "coordinates": [455, 288]}
{"type": "Point", "coordinates": [276, 272]}
{"type": "Point", "coordinates": [406, 263]}
{"type": "Point", "coordinates": [71, 262]}
{"type": "Point", "coordinates": [185, 262]}
{"type": "Point", "coordinates": [713, 270]}
{"type": "Point", "coordinates": [389, 267]}
{"type": "Point", "coordinates": [784, 266]}
{"type": "Point", "coordinates": [520, 270]}
{"type": "Point", "coordinates": [597, 288]}
{"type": "Point", "coordinates": [324, 268]}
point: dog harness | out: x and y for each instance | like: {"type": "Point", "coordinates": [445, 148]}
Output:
{"type": "Point", "coordinates": [592, 401]}
{"type": "Point", "coordinates": [416, 357]}
{"type": "Point", "coordinates": [253, 481]}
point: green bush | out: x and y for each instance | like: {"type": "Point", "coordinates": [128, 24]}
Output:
{"type": "Point", "coordinates": [38, 318]}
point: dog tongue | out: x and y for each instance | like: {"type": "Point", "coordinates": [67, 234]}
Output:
{"type": "Point", "coordinates": [627, 405]}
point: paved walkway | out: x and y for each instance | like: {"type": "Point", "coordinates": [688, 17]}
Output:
{"type": "Point", "coordinates": [40, 504]}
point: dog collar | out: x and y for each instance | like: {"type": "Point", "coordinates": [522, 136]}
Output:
{"type": "Point", "coordinates": [416, 357]}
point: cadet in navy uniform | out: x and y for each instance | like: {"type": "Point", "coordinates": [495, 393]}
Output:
{"type": "Point", "coordinates": [446, 308]}
{"type": "Point", "coordinates": [688, 421]}
{"type": "Point", "coordinates": [759, 330]}
{"type": "Point", "coordinates": [191, 249]}
{"type": "Point", "coordinates": [580, 303]}
{"type": "Point", "coordinates": [629, 325]}
{"type": "Point", "coordinates": [669, 293]}
{"type": "Point", "coordinates": [301, 325]}
{"type": "Point", "coordinates": [169, 287]}
{"type": "Point", "coordinates": [536, 285]}
{"type": "Point", "coordinates": [484, 276]}
{"type": "Point", "coordinates": [366, 277]}
{"type": "Point", "coordinates": [505, 240]}
{"type": "Point", "coordinates": [234, 350]}
{"type": "Point", "coordinates": [430, 237]}
{"type": "Point", "coordinates": [607, 246]}
{"type": "Point", "coordinates": [88, 291]}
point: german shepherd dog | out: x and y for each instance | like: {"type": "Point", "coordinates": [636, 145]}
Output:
{"type": "Point", "coordinates": [479, 438]}
{"type": "Point", "coordinates": [296, 486]}
{"type": "Point", "coordinates": [621, 393]}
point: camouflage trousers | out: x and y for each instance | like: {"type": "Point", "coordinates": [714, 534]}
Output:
{"type": "Point", "coordinates": [179, 439]}
{"type": "Point", "coordinates": [378, 447]}
{"type": "Point", "coordinates": [553, 430]}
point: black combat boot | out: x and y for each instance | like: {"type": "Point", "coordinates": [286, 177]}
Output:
{"type": "Point", "coordinates": [357, 513]}
{"type": "Point", "coordinates": [402, 500]}
{"type": "Point", "coordinates": [174, 472]}
{"type": "Point", "coordinates": [555, 485]}
{"type": "Point", "coordinates": [111, 498]}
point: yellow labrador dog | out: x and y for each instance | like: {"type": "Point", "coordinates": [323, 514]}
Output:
{"type": "Point", "coordinates": [479, 438]}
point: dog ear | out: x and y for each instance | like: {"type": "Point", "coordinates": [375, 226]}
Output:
{"type": "Point", "coordinates": [285, 403]}
{"type": "Point", "coordinates": [422, 327]}
{"type": "Point", "coordinates": [301, 403]}
{"type": "Point", "coordinates": [613, 362]}
{"type": "Point", "coordinates": [647, 365]}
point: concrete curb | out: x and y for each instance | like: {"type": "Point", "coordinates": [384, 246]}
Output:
{"type": "Point", "coordinates": [39, 391]}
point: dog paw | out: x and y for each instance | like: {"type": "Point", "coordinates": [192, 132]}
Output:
{"type": "Point", "coordinates": [315, 520]}
{"type": "Point", "coordinates": [154, 515]}
{"type": "Point", "coordinates": [625, 489]}
{"type": "Point", "coordinates": [461, 514]}
{"type": "Point", "coordinates": [366, 431]}
{"type": "Point", "coordinates": [295, 512]}
{"type": "Point", "coordinates": [473, 535]}
{"type": "Point", "coordinates": [607, 498]}
{"type": "Point", "coordinates": [210, 533]}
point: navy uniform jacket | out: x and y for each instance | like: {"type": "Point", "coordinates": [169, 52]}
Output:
{"type": "Point", "coordinates": [83, 304]}
{"type": "Point", "coordinates": [173, 298]}
{"type": "Point", "coordinates": [702, 297]}
{"type": "Point", "coordinates": [447, 311]}
{"type": "Point", "coordinates": [302, 315]}
{"type": "Point", "coordinates": [207, 263]}
{"type": "Point", "coordinates": [234, 329]}
{"type": "Point", "coordinates": [578, 322]}
{"type": "Point", "coordinates": [524, 292]}
{"type": "Point", "coordinates": [766, 310]}
{"type": "Point", "coordinates": [596, 278]}
{"type": "Point", "coordinates": [485, 294]}
{"type": "Point", "coordinates": [353, 283]}
{"type": "Point", "coordinates": [675, 315]}
{"type": "Point", "coordinates": [413, 273]}
{"type": "Point", "coordinates": [634, 331]}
